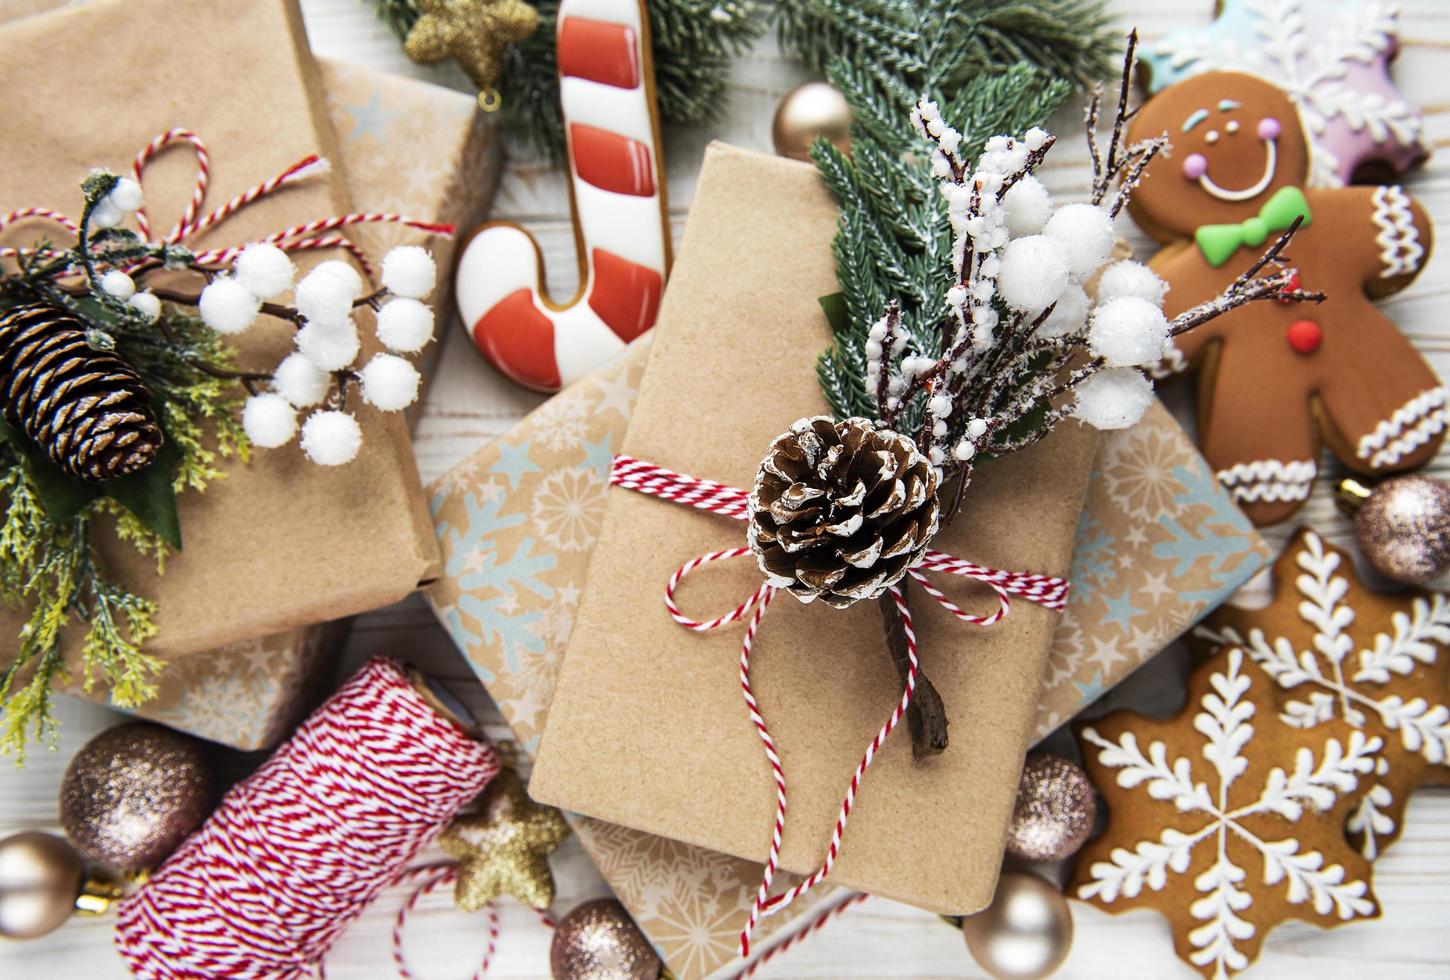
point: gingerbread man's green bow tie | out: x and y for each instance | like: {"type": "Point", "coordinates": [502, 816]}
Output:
{"type": "Point", "coordinates": [1219, 242]}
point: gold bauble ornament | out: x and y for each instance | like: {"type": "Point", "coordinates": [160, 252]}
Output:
{"type": "Point", "coordinates": [599, 941]}
{"type": "Point", "coordinates": [41, 877]}
{"type": "Point", "coordinates": [503, 849]}
{"type": "Point", "coordinates": [472, 33]}
{"type": "Point", "coordinates": [807, 111]}
{"type": "Point", "coordinates": [1025, 933]}
{"type": "Point", "coordinates": [133, 793]}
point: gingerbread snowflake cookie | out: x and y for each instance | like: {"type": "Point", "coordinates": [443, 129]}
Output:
{"type": "Point", "coordinates": [1278, 380]}
{"type": "Point", "coordinates": [1342, 655]}
{"type": "Point", "coordinates": [1225, 819]}
{"type": "Point", "coordinates": [1331, 57]}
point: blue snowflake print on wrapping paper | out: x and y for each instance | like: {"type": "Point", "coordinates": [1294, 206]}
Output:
{"type": "Point", "coordinates": [1093, 567]}
{"type": "Point", "coordinates": [489, 585]}
{"type": "Point", "coordinates": [1223, 537]}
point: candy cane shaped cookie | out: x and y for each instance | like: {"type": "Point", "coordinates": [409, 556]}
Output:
{"type": "Point", "coordinates": [621, 224]}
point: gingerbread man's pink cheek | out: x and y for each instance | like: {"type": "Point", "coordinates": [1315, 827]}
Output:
{"type": "Point", "coordinates": [1195, 165]}
{"type": "Point", "coordinates": [1268, 128]}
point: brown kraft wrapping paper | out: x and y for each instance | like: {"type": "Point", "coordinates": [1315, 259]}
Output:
{"type": "Point", "coordinates": [733, 365]}
{"type": "Point", "coordinates": [248, 694]}
{"type": "Point", "coordinates": [280, 542]}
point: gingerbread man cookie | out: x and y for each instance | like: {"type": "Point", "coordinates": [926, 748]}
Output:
{"type": "Point", "coordinates": [1277, 380]}
{"type": "Point", "coordinates": [621, 220]}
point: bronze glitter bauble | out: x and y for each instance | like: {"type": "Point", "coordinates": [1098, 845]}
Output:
{"type": "Point", "coordinates": [1025, 933]}
{"type": "Point", "coordinates": [807, 111]}
{"type": "Point", "coordinates": [1403, 526]}
{"type": "Point", "coordinates": [134, 793]}
{"type": "Point", "coordinates": [1055, 811]}
{"type": "Point", "coordinates": [40, 878]}
{"type": "Point", "coordinates": [599, 941]}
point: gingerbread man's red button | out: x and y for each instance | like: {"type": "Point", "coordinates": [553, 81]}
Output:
{"type": "Point", "coordinates": [1305, 336]}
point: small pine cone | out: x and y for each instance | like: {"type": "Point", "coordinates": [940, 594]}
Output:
{"type": "Point", "coordinates": [86, 408]}
{"type": "Point", "coordinates": [841, 510]}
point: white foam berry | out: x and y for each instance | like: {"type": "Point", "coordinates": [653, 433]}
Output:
{"type": "Point", "coordinates": [1128, 332]}
{"type": "Point", "coordinates": [1034, 272]}
{"type": "Point", "coordinates": [1113, 398]}
{"type": "Point", "coordinates": [300, 381]}
{"type": "Point", "coordinates": [324, 297]}
{"type": "Point", "coordinates": [330, 346]}
{"type": "Point", "coordinates": [106, 215]}
{"type": "Point", "coordinates": [1027, 206]}
{"type": "Point", "coordinates": [345, 273]}
{"type": "Point", "coordinates": [265, 269]}
{"type": "Point", "coordinates": [227, 306]}
{"type": "Point", "coordinates": [331, 438]}
{"type": "Point", "coordinates": [1086, 231]}
{"type": "Point", "coordinates": [408, 270]}
{"type": "Point", "coordinates": [405, 325]}
{"type": "Point", "coordinates": [1070, 314]}
{"type": "Point", "coordinates": [126, 196]}
{"type": "Point", "coordinates": [1131, 279]}
{"type": "Point", "coordinates": [146, 304]}
{"type": "Point", "coordinates": [389, 383]}
{"type": "Point", "coordinates": [269, 420]}
{"type": "Point", "coordinates": [116, 283]}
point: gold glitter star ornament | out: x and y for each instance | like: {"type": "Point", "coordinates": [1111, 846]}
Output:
{"type": "Point", "coordinates": [471, 32]}
{"type": "Point", "coordinates": [504, 848]}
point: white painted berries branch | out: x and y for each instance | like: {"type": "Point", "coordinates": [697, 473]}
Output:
{"type": "Point", "coordinates": [319, 374]}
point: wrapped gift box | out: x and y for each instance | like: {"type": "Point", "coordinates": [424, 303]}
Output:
{"type": "Point", "coordinates": [1158, 545]}
{"type": "Point", "coordinates": [249, 693]}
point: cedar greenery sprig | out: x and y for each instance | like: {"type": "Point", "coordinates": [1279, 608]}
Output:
{"type": "Point", "coordinates": [693, 43]}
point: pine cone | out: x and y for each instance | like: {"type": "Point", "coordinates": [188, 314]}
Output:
{"type": "Point", "coordinates": [86, 408]}
{"type": "Point", "coordinates": [841, 510]}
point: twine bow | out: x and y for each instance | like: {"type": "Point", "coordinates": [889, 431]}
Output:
{"type": "Point", "coordinates": [717, 498]}
{"type": "Point", "coordinates": [310, 236]}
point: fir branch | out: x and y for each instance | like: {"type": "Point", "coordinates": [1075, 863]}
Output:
{"type": "Point", "coordinates": [1068, 39]}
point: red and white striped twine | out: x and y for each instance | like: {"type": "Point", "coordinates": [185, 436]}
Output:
{"type": "Point", "coordinates": [299, 238]}
{"type": "Point", "coordinates": [659, 481]}
{"type": "Point", "coordinates": [294, 853]}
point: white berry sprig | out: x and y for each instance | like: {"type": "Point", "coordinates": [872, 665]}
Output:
{"type": "Point", "coordinates": [319, 374]}
{"type": "Point", "coordinates": [1039, 323]}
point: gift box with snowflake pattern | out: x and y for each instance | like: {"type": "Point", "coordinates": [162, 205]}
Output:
{"type": "Point", "coordinates": [1159, 545]}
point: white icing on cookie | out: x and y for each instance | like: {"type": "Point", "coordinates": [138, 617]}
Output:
{"type": "Point", "coordinates": [1271, 163]}
{"type": "Point", "coordinates": [1399, 242]}
{"type": "Point", "coordinates": [1269, 480]}
{"type": "Point", "coordinates": [1412, 425]}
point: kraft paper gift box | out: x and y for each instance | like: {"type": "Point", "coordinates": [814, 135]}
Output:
{"type": "Point", "coordinates": [249, 694]}
{"type": "Point", "coordinates": [279, 543]}
{"type": "Point", "coordinates": [1157, 546]}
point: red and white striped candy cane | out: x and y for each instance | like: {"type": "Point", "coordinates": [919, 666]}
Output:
{"type": "Point", "coordinates": [621, 223]}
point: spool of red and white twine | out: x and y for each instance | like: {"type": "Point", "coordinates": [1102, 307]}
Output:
{"type": "Point", "coordinates": [298, 850]}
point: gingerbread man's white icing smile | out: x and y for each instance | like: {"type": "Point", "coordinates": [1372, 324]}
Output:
{"type": "Point", "coordinates": [1195, 166]}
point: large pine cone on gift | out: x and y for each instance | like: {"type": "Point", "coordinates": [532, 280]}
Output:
{"type": "Point", "coordinates": [86, 408]}
{"type": "Point", "coordinates": [841, 510]}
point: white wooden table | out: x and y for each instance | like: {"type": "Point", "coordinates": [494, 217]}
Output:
{"type": "Point", "coordinates": [469, 404]}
